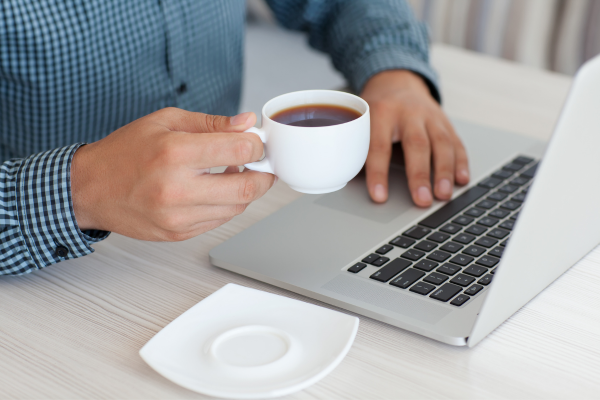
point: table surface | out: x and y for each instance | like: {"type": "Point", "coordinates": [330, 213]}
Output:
{"type": "Point", "coordinates": [75, 329]}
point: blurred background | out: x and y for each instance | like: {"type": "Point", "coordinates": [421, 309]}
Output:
{"type": "Point", "coordinates": [556, 35]}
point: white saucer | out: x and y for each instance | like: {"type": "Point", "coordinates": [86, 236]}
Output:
{"type": "Point", "coordinates": [247, 344]}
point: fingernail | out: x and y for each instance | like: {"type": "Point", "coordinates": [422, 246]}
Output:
{"type": "Point", "coordinates": [424, 194]}
{"type": "Point", "coordinates": [464, 174]}
{"type": "Point", "coordinates": [276, 179]}
{"type": "Point", "coordinates": [379, 192]}
{"type": "Point", "coordinates": [445, 187]}
{"type": "Point", "coordinates": [239, 119]}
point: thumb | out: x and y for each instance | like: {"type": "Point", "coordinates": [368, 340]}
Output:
{"type": "Point", "coordinates": [207, 123]}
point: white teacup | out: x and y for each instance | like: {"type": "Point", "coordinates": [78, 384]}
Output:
{"type": "Point", "coordinates": [314, 159]}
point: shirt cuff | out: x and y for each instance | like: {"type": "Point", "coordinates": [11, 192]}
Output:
{"type": "Point", "coordinates": [45, 209]}
{"type": "Point", "coordinates": [388, 58]}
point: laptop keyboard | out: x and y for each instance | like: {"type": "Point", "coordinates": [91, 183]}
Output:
{"type": "Point", "coordinates": [452, 254]}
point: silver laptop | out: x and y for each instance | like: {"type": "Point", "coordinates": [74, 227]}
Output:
{"type": "Point", "coordinates": [455, 271]}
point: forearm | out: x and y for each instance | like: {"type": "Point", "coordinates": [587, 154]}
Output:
{"type": "Point", "coordinates": [363, 37]}
{"type": "Point", "coordinates": [37, 223]}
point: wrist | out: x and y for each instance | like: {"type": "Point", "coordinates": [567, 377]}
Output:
{"type": "Point", "coordinates": [397, 80]}
{"type": "Point", "coordinates": [81, 184]}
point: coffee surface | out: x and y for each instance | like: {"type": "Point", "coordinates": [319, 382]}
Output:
{"type": "Point", "coordinates": [314, 115]}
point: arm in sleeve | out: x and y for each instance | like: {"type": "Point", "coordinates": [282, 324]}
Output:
{"type": "Point", "coordinates": [37, 222]}
{"type": "Point", "coordinates": [363, 37]}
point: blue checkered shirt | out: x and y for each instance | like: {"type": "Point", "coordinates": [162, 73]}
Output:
{"type": "Point", "coordinates": [73, 71]}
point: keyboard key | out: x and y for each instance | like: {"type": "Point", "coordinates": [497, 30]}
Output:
{"type": "Point", "coordinates": [493, 271]}
{"type": "Point", "coordinates": [438, 237]}
{"type": "Point", "coordinates": [512, 167]}
{"type": "Point", "coordinates": [413, 254]}
{"type": "Point", "coordinates": [454, 207]}
{"type": "Point", "coordinates": [497, 252]}
{"type": "Point", "coordinates": [402, 241]}
{"type": "Point", "coordinates": [515, 216]}
{"type": "Point", "coordinates": [487, 221]}
{"type": "Point", "coordinates": [389, 271]}
{"type": "Point", "coordinates": [519, 197]}
{"type": "Point", "coordinates": [509, 188]}
{"type": "Point", "coordinates": [502, 174]}
{"type": "Point", "coordinates": [486, 280]}
{"type": "Point", "coordinates": [520, 181]}
{"type": "Point", "coordinates": [426, 245]}
{"type": "Point", "coordinates": [522, 160]}
{"type": "Point", "coordinates": [486, 242]}
{"type": "Point", "coordinates": [417, 232]}
{"type": "Point", "coordinates": [530, 172]}
{"type": "Point", "coordinates": [487, 261]}
{"type": "Point", "coordinates": [448, 269]}
{"type": "Point", "coordinates": [463, 238]}
{"type": "Point", "coordinates": [451, 247]}
{"type": "Point", "coordinates": [462, 220]}
{"type": "Point", "coordinates": [475, 270]}
{"type": "Point", "coordinates": [380, 261]}
{"type": "Point", "coordinates": [503, 244]}
{"type": "Point", "coordinates": [499, 213]}
{"type": "Point", "coordinates": [446, 292]}
{"type": "Point", "coordinates": [450, 228]}
{"type": "Point", "coordinates": [490, 183]}
{"type": "Point", "coordinates": [475, 212]}
{"type": "Point", "coordinates": [498, 233]}
{"type": "Point", "coordinates": [476, 229]}
{"type": "Point", "coordinates": [460, 300]}
{"type": "Point", "coordinates": [384, 249]}
{"type": "Point", "coordinates": [370, 258]}
{"type": "Point", "coordinates": [438, 256]}
{"type": "Point", "coordinates": [422, 288]}
{"type": "Point", "coordinates": [407, 278]}
{"type": "Point", "coordinates": [426, 265]}
{"type": "Point", "coordinates": [474, 251]}
{"type": "Point", "coordinates": [526, 190]}
{"type": "Point", "coordinates": [357, 267]}
{"type": "Point", "coordinates": [487, 204]}
{"type": "Point", "coordinates": [473, 290]}
{"type": "Point", "coordinates": [461, 260]}
{"type": "Point", "coordinates": [510, 205]}
{"type": "Point", "coordinates": [462, 280]}
{"type": "Point", "coordinates": [435, 278]}
{"type": "Point", "coordinates": [498, 196]}
{"type": "Point", "coordinates": [510, 224]}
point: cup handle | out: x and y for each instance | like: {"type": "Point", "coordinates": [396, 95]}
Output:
{"type": "Point", "coordinates": [263, 165]}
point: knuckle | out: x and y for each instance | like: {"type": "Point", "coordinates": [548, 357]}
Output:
{"type": "Point", "coordinates": [418, 141]}
{"type": "Point", "coordinates": [212, 122]}
{"type": "Point", "coordinates": [248, 191]}
{"type": "Point", "coordinates": [243, 149]}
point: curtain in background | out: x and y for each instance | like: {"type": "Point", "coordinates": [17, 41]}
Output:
{"type": "Point", "coordinates": [555, 34]}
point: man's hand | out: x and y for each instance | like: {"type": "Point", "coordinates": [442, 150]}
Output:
{"type": "Point", "coordinates": [402, 109]}
{"type": "Point", "coordinates": [150, 179]}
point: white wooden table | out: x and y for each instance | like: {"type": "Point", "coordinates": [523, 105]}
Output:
{"type": "Point", "coordinates": [74, 329]}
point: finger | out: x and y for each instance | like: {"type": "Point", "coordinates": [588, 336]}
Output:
{"type": "Point", "coordinates": [177, 119]}
{"type": "Point", "coordinates": [443, 160]}
{"type": "Point", "coordinates": [194, 231]}
{"type": "Point", "coordinates": [417, 155]}
{"type": "Point", "coordinates": [380, 153]}
{"type": "Point", "coordinates": [228, 189]}
{"type": "Point", "coordinates": [212, 149]}
{"type": "Point", "coordinates": [461, 167]}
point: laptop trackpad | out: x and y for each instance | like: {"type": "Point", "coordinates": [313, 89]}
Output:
{"type": "Point", "coordinates": [354, 198]}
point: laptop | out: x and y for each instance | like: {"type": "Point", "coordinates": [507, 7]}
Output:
{"type": "Point", "coordinates": [455, 271]}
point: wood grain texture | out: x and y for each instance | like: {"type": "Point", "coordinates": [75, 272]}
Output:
{"type": "Point", "coordinates": [74, 330]}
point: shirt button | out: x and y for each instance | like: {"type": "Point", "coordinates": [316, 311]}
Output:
{"type": "Point", "coordinates": [182, 88]}
{"type": "Point", "coordinates": [62, 251]}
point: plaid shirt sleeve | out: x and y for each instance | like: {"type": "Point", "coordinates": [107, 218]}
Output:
{"type": "Point", "coordinates": [363, 37]}
{"type": "Point", "coordinates": [37, 223]}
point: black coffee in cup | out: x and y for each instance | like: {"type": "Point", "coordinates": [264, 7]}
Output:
{"type": "Point", "coordinates": [314, 115]}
